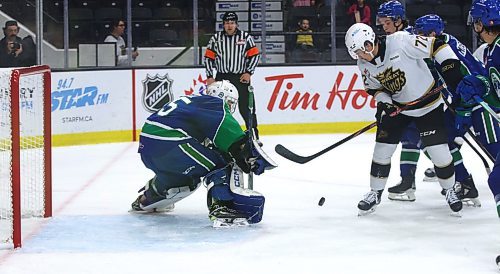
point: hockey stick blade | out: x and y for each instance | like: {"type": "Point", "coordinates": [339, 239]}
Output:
{"type": "Point", "coordinates": [286, 153]}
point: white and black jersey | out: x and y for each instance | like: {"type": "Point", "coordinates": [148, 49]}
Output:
{"type": "Point", "coordinates": [235, 54]}
{"type": "Point", "coordinates": [399, 71]}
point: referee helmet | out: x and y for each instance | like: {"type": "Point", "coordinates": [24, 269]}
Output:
{"type": "Point", "coordinates": [230, 16]}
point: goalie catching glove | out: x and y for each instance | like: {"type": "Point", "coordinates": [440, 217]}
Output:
{"type": "Point", "coordinates": [250, 157]}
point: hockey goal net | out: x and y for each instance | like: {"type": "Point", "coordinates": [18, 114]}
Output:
{"type": "Point", "coordinates": [25, 149]}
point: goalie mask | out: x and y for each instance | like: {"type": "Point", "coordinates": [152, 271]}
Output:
{"type": "Point", "coordinates": [356, 37]}
{"type": "Point", "coordinates": [226, 91]}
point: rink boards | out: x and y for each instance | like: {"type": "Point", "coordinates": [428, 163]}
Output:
{"type": "Point", "coordinates": [111, 105]}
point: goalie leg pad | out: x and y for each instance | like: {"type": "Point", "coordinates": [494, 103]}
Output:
{"type": "Point", "coordinates": [162, 195]}
{"type": "Point", "coordinates": [244, 203]}
{"type": "Point", "coordinates": [173, 196]}
{"type": "Point", "coordinates": [231, 202]}
{"type": "Point", "coordinates": [251, 202]}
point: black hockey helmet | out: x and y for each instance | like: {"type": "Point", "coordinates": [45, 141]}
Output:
{"type": "Point", "coordinates": [230, 16]}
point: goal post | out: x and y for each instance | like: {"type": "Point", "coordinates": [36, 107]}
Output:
{"type": "Point", "coordinates": [25, 149]}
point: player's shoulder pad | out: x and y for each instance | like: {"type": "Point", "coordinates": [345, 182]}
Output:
{"type": "Point", "coordinates": [446, 37]}
{"type": "Point", "coordinates": [496, 44]}
{"type": "Point", "coordinates": [401, 38]}
{"type": "Point", "coordinates": [399, 35]}
{"type": "Point", "coordinates": [438, 45]}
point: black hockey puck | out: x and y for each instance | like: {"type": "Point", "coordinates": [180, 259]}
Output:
{"type": "Point", "coordinates": [321, 201]}
{"type": "Point", "coordinates": [498, 261]}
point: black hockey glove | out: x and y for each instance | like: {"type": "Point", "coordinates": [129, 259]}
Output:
{"type": "Point", "coordinates": [241, 153]}
{"type": "Point", "coordinates": [383, 110]}
{"type": "Point", "coordinates": [249, 157]}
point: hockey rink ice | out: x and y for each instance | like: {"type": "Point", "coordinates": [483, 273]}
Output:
{"type": "Point", "coordinates": [92, 231]}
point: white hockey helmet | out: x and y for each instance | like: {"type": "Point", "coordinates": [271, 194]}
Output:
{"type": "Point", "coordinates": [356, 37]}
{"type": "Point", "coordinates": [226, 91]}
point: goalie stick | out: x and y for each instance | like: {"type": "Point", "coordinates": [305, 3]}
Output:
{"type": "Point", "coordinates": [286, 153]}
{"type": "Point", "coordinates": [251, 109]}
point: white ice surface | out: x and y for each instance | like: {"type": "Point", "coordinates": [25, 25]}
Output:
{"type": "Point", "coordinates": [92, 232]}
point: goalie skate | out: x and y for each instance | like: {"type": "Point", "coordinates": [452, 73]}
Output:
{"type": "Point", "coordinates": [223, 216]}
{"type": "Point", "coordinates": [229, 222]}
{"type": "Point", "coordinates": [404, 191]}
{"type": "Point", "coordinates": [161, 206]}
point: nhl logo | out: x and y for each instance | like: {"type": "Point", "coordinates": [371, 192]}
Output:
{"type": "Point", "coordinates": [157, 91]}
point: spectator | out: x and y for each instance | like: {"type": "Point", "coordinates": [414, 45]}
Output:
{"type": "Point", "coordinates": [303, 3]}
{"type": "Point", "coordinates": [14, 51]}
{"type": "Point", "coordinates": [304, 41]}
{"type": "Point", "coordinates": [121, 48]}
{"type": "Point", "coordinates": [360, 12]}
{"type": "Point", "coordinates": [304, 45]}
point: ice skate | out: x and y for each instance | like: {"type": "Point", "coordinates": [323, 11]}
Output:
{"type": "Point", "coordinates": [369, 202]}
{"type": "Point", "coordinates": [430, 175]}
{"type": "Point", "coordinates": [453, 201]}
{"type": "Point", "coordinates": [404, 191]}
{"type": "Point", "coordinates": [223, 216]}
{"type": "Point", "coordinates": [141, 205]}
{"type": "Point", "coordinates": [467, 192]}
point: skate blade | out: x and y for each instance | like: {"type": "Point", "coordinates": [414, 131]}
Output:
{"type": "Point", "coordinates": [405, 197]}
{"type": "Point", "coordinates": [153, 210]}
{"type": "Point", "coordinates": [229, 222]}
{"type": "Point", "coordinates": [471, 202]}
{"type": "Point", "coordinates": [161, 206]}
{"type": "Point", "coordinates": [457, 214]}
{"type": "Point", "coordinates": [366, 212]}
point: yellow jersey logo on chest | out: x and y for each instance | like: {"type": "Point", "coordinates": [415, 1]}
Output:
{"type": "Point", "coordinates": [392, 80]}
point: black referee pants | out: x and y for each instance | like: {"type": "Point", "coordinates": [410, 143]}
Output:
{"type": "Point", "coordinates": [243, 98]}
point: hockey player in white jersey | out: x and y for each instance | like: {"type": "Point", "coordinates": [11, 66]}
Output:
{"type": "Point", "coordinates": [391, 15]}
{"type": "Point", "coordinates": [395, 73]}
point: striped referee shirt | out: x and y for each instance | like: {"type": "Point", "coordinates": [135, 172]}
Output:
{"type": "Point", "coordinates": [235, 53]}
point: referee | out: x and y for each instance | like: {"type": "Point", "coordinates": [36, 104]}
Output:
{"type": "Point", "coordinates": [233, 55]}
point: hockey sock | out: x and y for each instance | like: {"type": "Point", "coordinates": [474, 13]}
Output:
{"type": "Point", "coordinates": [408, 170]}
{"type": "Point", "coordinates": [408, 161]}
{"type": "Point", "coordinates": [461, 172]}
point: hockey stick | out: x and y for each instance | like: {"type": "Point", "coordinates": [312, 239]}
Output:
{"type": "Point", "coordinates": [473, 136]}
{"type": "Point", "coordinates": [487, 107]}
{"type": "Point", "coordinates": [286, 153]}
{"type": "Point", "coordinates": [250, 127]}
